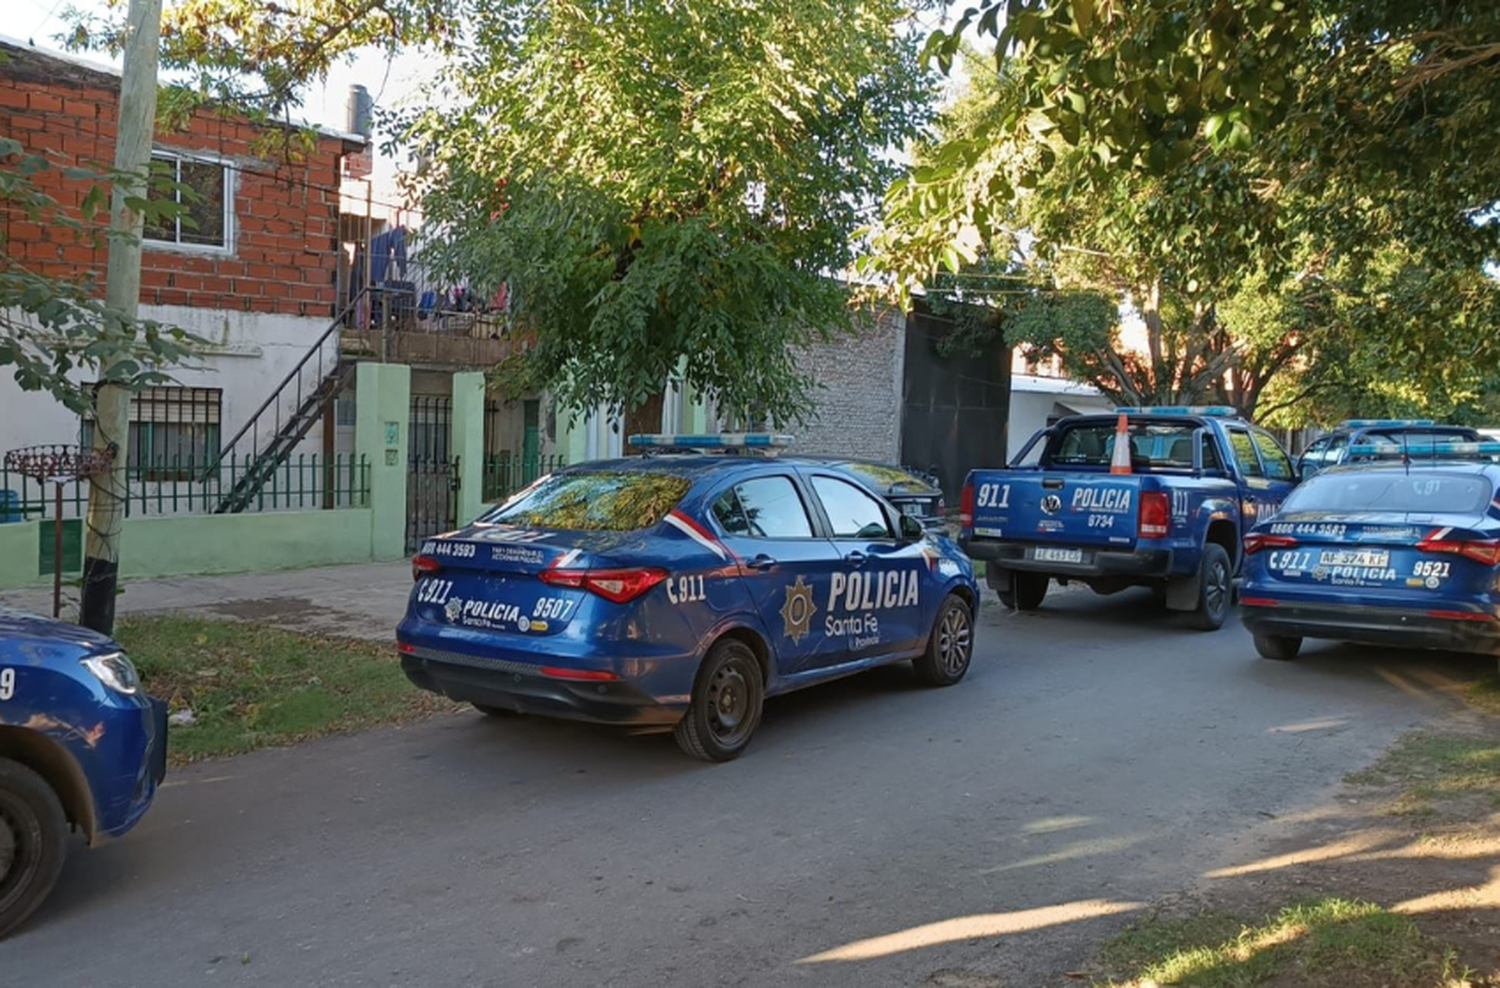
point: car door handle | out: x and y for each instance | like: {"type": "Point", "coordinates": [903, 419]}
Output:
{"type": "Point", "coordinates": [855, 558]}
{"type": "Point", "coordinates": [761, 561]}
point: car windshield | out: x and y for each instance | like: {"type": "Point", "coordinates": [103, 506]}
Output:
{"type": "Point", "coordinates": [594, 501]}
{"type": "Point", "coordinates": [1390, 490]}
{"type": "Point", "coordinates": [883, 478]}
{"type": "Point", "coordinates": [1152, 445]}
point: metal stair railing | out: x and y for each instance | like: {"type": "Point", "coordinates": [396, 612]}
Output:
{"type": "Point", "coordinates": [286, 417]}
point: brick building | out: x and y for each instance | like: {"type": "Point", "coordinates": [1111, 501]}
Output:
{"type": "Point", "coordinates": [251, 264]}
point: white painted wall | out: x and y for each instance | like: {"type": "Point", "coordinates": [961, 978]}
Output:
{"type": "Point", "coordinates": [1034, 399]}
{"type": "Point", "coordinates": [251, 353]}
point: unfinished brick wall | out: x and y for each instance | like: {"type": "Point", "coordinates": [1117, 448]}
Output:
{"type": "Point", "coordinates": [282, 254]}
{"type": "Point", "coordinates": [858, 406]}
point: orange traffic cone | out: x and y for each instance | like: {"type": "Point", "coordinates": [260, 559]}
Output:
{"type": "Point", "coordinates": [1120, 462]}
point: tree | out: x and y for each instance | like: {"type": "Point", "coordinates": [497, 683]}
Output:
{"type": "Point", "coordinates": [1079, 249]}
{"type": "Point", "coordinates": [1307, 163]}
{"type": "Point", "coordinates": [257, 58]}
{"type": "Point", "coordinates": [668, 188]}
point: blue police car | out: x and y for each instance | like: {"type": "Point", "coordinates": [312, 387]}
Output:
{"type": "Point", "coordinates": [679, 590]}
{"type": "Point", "coordinates": [1374, 436]}
{"type": "Point", "coordinates": [1402, 551]}
{"type": "Point", "coordinates": [80, 744]}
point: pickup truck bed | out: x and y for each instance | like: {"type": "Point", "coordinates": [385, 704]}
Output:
{"type": "Point", "coordinates": [1173, 523]}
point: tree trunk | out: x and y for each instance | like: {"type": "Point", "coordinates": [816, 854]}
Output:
{"type": "Point", "coordinates": [122, 296]}
{"type": "Point", "coordinates": [1151, 316]}
{"type": "Point", "coordinates": [644, 418]}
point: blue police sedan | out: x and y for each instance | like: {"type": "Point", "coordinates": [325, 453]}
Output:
{"type": "Point", "coordinates": [1401, 552]}
{"type": "Point", "coordinates": [1343, 444]}
{"type": "Point", "coordinates": [80, 744]}
{"type": "Point", "coordinates": [679, 590]}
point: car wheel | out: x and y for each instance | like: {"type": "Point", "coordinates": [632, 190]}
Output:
{"type": "Point", "coordinates": [33, 842]}
{"type": "Point", "coordinates": [1282, 648]}
{"type": "Point", "coordinates": [1215, 588]}
{"type": "Point", "coordinates": [727, 701]}
{"type": "Point", "coordinates": [1031, 589]}
{"type": "Point", "coordinates": [502, 713]}
{"type": "Point", "coordinates": [949, 647]}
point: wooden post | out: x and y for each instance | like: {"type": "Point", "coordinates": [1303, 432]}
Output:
{"type": "Point", "coordinates": [122, 296]}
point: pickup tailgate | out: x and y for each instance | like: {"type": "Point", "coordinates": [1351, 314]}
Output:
{"type": "Point", "coordinates": [1056, 507]}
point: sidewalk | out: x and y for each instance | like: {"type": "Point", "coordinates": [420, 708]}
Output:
{"type": "Point", "coordinates": [365, 600]}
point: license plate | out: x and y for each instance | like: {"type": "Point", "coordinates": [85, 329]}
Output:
{"type": "Point", "coordinates": [1046, 555]}
{"type": "Point", "coordinates": [915, 510]}
{"type": "Point", "coordinates": [1380, 558]}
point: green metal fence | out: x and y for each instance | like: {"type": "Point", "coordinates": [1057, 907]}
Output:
{"type": "Point", "coordinates": [178, 485]}
{"type": "Point", "coordinates": [506, 473]}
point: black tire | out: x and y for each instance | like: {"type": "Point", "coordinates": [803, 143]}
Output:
{"type": "Point", "coordinates": [499, 713]}
{"type": "Point", "coordinates": [33, 842]}
{"type": "Point", "coordinates": [950, 647]}
{"type": "Point", "coordinates": [1282, 648]}
{"type": "Point", "coordinates": [728, 697]}
{"type": "Point", "coordinates": [1027, 593]}
{"type": "Point", "coordinates": [1215, 589]}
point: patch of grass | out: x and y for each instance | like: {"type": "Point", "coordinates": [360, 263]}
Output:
{"type": "Point", "coordinates": [1485, 694]}
{"type": "Point", "coordinates": [252, 687]}
{"type": "Point", "coordinates": [1433, 770]}
{"type": "Point", "coordinates": [1322, 943]}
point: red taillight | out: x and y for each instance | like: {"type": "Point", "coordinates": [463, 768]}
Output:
{"type": "Point", "coordinates": [406, 648]}
{"type": "Point", "coordinates": [1156, 515]}
{"type": "Point", "coordinates": [1487, 552]}
{"type": "Point", "coordinates": [1460, 615]}
{"type": "Point", "coordinates": [424, 566]}
{"type": "Point", "coordinates": [1256, 541]}
{"type": "Point", "coordinates": [1259, 602]}
{"type": "Point", "coordinates": [966, 507]}
{"type": "Point", "coordinates": [618, 585]}
{"type": "Point", "coordinates": [584, 675]}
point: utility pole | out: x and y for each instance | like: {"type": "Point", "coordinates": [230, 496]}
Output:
{"type": "Point", "coordinates": [122, 296]}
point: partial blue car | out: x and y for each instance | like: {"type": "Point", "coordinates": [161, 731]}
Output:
{"type": "Point", "coordinates": [1404, 552]}
{"type": "Point", "coordinates": [679, 590]}
{"type": "Point", "coordinates": [81, 746]}
{"type": "Point", "coordinates": [1376, 437]}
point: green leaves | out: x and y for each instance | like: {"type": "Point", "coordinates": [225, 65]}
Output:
{"type": "Point", "coordinates": [1292, 183]}
{"type": "Point", "coordinates": [680, 183]}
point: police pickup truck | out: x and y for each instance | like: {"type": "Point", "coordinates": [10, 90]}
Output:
{"type": "Point", "coordinates": [1156, 497]}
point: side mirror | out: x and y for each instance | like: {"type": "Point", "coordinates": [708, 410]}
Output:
{"type": "Point", "coordinates": [911, 529]}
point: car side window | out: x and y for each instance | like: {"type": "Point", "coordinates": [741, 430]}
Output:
{"type": "Point", "coordinates": [1244, 453]}
{"type": "Point", "coordinates": [763, 508]}
{"type": "Point", "coordinates": [1278, 467]}
{"type": "Point", "coordinates": [729, 514]}
{"type": "Point", "coordinates": [1314, 453]}
{"type": "Point", "coordinates": [1211, 462]}
{"type": "Point", "coordinates": [852, 513]}
{"type": "Point", "coordinates": [1336, 447]}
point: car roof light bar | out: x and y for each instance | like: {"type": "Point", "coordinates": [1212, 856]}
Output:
{"type": "Point", "coordinates": [1424, 447]}
{"type": "Point", "coordinates": [763, 442]}
{"type": "Point", "coordinates": [1214, 411]}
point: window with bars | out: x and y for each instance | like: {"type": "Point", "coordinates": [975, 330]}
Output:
{"type": "Point", "coordinates": [201, 190]}
{"type": "Point", "coordinates": [174, 432]}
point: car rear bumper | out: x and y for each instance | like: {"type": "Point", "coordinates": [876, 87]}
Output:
{"type": "Point", "coordinates": [1453, 630]}
{"type": "Point", "coordinates": [522, 688]}
{"type": "Point", "coordinates": [1143, 563]}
